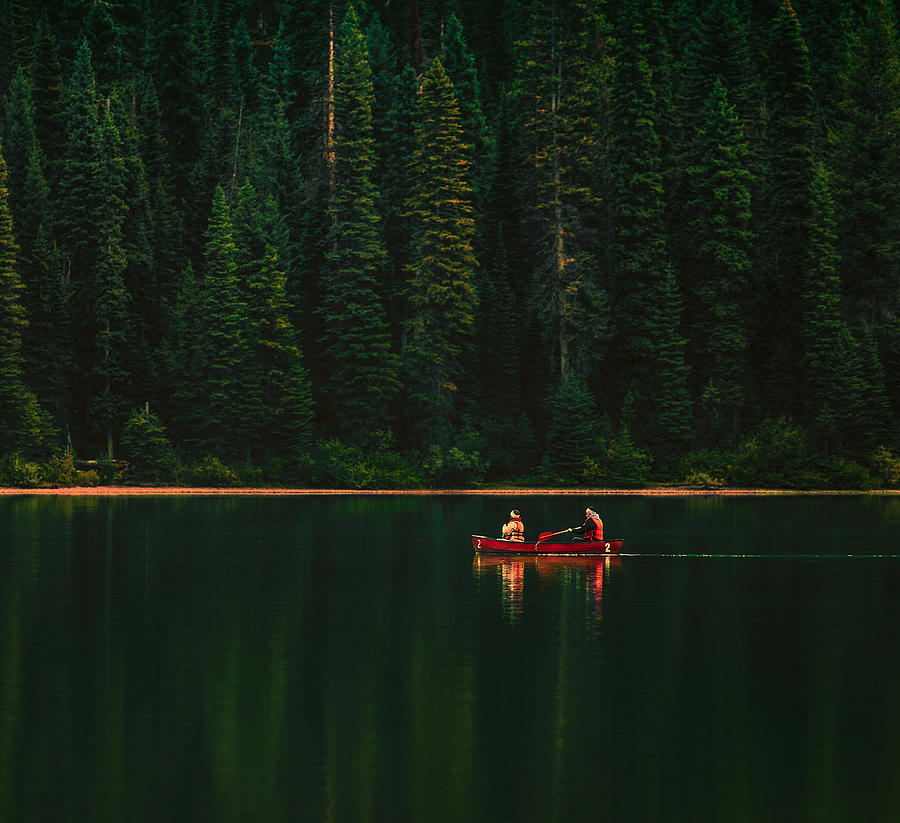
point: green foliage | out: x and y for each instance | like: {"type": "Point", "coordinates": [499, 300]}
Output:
{"type": "Point", "coordinates": [223, 342]}
{"type": "Point", "coordinates": [841, 473]}
{"type": "Point", "coordinates": [717, 262]}
{"type": "Point", "coordinates": [21, 473]}
{"type": "Point", "coordinates": [362, 373]}
{"type": "Point", "coordinates": [775, 456]}
{"type": "Point", "coordinates": [561, 85]}
{"type": "Point", "coordinates": [624, 464]}
{"type": "Point", "coordinates": [459, 466]}
{"type": "Point", "coordinates": [211, 472]}
{"type": "Point", "coordinates": [866, 160]}
{"type": "Point", "coordinates": [691, 211]}
{"type": "Point", "coordinates": [786, 210]}
{"type": "Point", "coordinates": [440, 294]}
{"type": "Point", "coordinates": [704, 468]}
{"type": "Point", "coordinates": [147, 447]}
{"type": "Point", "coordinates": [335, 464]}
{"type": "Point", "coordinates": [886, 467]}
{"type": "Point", "coordinates": [572, 433]}
{"type": "Point", "coordinates": [61, 469]}
{"type": "Point", "coordinates": [24, 425]}
{"type": "Point", "coordinates": [87, 478]}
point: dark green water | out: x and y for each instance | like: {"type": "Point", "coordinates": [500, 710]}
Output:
{"type": "Point", "coordinates": [348, 659]}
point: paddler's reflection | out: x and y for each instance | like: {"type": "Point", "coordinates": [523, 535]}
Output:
{"type": "Point", "coordinates": [591, 574]}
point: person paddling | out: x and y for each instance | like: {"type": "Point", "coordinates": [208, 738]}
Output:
{"type": "Point", "coordinates": [592, 529]}
{"type": "Point", "coordinates": [514, 528]}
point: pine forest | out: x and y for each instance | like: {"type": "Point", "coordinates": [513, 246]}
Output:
{"type": "Point", "coordinates": [450, 243]}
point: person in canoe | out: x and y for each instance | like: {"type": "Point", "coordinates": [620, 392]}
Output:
{"type": "Point", "coordinates": [514, 528]}
{"type": "Point", "coordinates": [592, 529]}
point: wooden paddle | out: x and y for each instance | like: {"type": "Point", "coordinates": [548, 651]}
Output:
{"type": "Point", "coordinates": [544, 535]}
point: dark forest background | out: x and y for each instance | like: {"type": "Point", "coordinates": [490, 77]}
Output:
{"type": "Point", "coordinates": [418, 242]}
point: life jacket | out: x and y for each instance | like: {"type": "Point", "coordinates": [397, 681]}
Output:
{"type": "Point", "coordinates": [597, 533]}
{"type": "Point", "coordinates": [517, 530]}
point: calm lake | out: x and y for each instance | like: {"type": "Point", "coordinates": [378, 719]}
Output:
{"type": "Point", "coordinates": [348, 658]}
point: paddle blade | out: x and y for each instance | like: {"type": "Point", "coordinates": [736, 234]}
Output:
{"type": "Point", "coordinates": [545, 535]}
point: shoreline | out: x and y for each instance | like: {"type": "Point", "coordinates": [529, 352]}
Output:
{"type": "Point", "coordinates": [179, 491]}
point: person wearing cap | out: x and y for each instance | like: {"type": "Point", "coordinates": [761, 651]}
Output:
{"type": "Point", "coordinates": [514, 529]}
{"type": "Point", "coordinates": [592, 528]}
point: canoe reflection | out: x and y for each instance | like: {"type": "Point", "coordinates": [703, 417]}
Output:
{"type": "Point", "coordinates": [587, 573]}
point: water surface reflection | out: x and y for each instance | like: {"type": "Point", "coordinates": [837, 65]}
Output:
{"type": "Point", "coordinates": [574, 575]}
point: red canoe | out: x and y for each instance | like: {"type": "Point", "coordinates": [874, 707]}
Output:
{"type": "Point", "coordinates": [494, 545]}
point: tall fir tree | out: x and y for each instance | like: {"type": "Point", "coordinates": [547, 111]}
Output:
{"type": "Point", "coordinates": [561, 81]}
{"type": "Point", "coordinates": [866, 156]}
{"type": "Point", "coordinates": [784, 241]}
{"type": "Point", "coordinates": [78, 191]}
{"type": "Point", "coordinates": [109, 319]}
{"type": "Point", "coordinates": [717, 50]}
{"type": "Point", "coordinates": [823, 324]}
{"type": "Point", "coordinates": [441, 295]}
{"type": "Point", "coordinates": [19, 142]}
{"type": "Point", "coordinates": [649, 363]}
{"type": "Point", "coordinates": [79, 203]}
{"type": "Point", "coordinates": [46, 92]}
{"type": "Point", "coordinates": [717, 198]}
{"type": "Point", "coordinates": [49, 362]}
{"type": "Point", "coordinates": [396, 187]}
{"type": "Point", "coordinates": [225, 430]}
{"type": "Point", "coordinates": [139, 275]}
{"type": "Point", "coordinates": [24, 426]}
{"type": "Point", "coordinates": [459, 63]}
{"type": "Point", "coordinates": [277, 391]}
{"type": "Point", "coordinates": [362, 367]}
{"type": "Point", "coordinates": [185, 356]}
{"type": "Point", "coordinates": [174, 58]}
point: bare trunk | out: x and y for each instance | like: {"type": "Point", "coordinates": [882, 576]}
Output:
{"type": "Point", "coordinates": [329, 104]}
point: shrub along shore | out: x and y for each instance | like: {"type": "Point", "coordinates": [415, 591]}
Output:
{"type": "Point", "coordinates": [776, 458]}
{"type": "Point", "coordinates": [184, 491]}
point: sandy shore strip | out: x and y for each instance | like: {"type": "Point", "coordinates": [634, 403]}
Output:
{"type": "Point", "coordinates": [177, 491]}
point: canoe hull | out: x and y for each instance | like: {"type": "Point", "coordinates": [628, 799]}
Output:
{"type": "Point", "coordinates": [493, 545]}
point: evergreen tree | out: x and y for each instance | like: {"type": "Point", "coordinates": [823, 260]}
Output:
{"type": "Point", "coordinates": [716, 271]}
{"type": "Point", "coordinates": [226, 424]}
{"type": "Point", "coordinates": [717, 51]}
{"type": "Point", "coordinates": [440, 294]}
{"type": "Point", "coordinates": [362, 374]}
{"type": "Point", "coordinates": [19, 140]}
{"type": "Point", "coordinates": [79, 190]}
{"type": "Point", "coordinates": [459, 63]}
{"type": "Point", "coordinates": [572, 433]}
{"type": "Point", "coordinates": [274, 165]}
{"type": "Point", "coordinates": [147, 447]}
{"type": "Point", "coordinates": [666, 395]}
{"type": "Point", "coordinates": [277, 391]}
{"type": "Point", "coordinates": [396, 188]}
{"type": "Point", "coordinates": [867, 160]}
{"type": "Point", "coordinates": [46, 92]}
{"type": "Point", "coordinates": [562, 70]}
{"type": "Point", "coordinates": [110, 312]}
{"type": "Point", "coordinates": [823, 324]}
{"type": "Point", "coordinates": [175, 62]}
{"type": "Point", "coordinates": [784, 243]}
{"type": "Point", "coordinates": [186, 356]}
{"type": "Point", "coordinates": [23, 424]}
{"type": "Point", "coordinates": [649, 345]}
{"type": "Point", "coordinates": [102, 37]}
{"type": "Point", "coordinates": [139, 275]}
{"type": "Point", "coordinates": [49, 364]}
{"type": "Point", "coordinates": [79, 205]}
